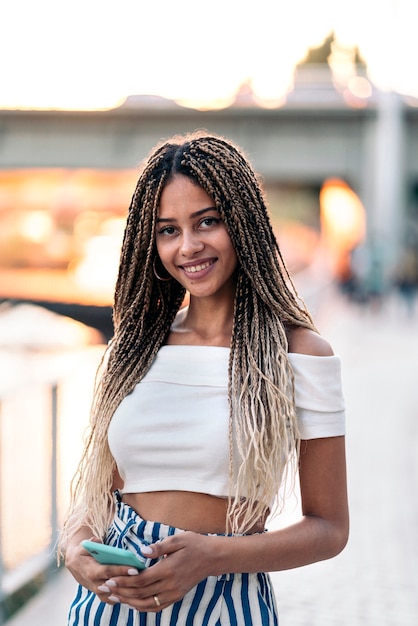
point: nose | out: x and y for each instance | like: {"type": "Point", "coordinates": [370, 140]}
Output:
{"type": "Point", "coordinates": [190, 243]}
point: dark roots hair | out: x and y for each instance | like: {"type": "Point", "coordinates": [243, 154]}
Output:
{"type": "Point", "coordinates": [262, 414]}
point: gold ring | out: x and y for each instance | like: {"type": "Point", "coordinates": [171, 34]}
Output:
{"type": "Point", "coordinates": [156, 600]}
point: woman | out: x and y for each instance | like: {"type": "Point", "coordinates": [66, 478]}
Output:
{"type": "Point", "coordinates": [201, 410]}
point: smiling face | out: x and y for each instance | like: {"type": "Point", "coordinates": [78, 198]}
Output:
{"type": "Point", "coordinates": [192, 241]}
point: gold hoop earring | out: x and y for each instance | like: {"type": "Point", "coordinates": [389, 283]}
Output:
{"type": "Point", "coordinates": [161, 278]}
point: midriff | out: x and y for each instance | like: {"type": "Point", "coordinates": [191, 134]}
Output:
{"type": "Point", "coordinates": [199, 512]}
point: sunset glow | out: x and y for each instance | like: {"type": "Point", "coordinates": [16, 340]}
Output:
{"type": "Point", "coordinates": [92, 55]}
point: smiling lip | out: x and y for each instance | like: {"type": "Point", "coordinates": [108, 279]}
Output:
{"type": "Point", "coordinates": [196, 267]}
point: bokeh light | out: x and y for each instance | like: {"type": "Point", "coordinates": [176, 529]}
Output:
{"type": "Point", "coordinates": [343, 222]}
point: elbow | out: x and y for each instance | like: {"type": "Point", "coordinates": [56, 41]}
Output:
{"type": "Point", "coordinates": [331, 538]}
{"type": "Point", "coordinates": [340, 543]}
{"type": "Point", "coordinates": [337, 539]}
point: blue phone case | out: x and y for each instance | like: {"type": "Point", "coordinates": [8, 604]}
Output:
{"type": "Point", "coordinates": [109, 555]}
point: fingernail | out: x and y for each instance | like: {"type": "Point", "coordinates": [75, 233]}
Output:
{"type": "Point", "coordinates": [114, 599]}
{"type": "Point", "coordinates": [146, 550]}
{"type": "Point", "coordinates": [104, 589]}
{"type": "Point", "coordinates": [110, 583]}
{"type": "Point", "coordinates": [132, 571]}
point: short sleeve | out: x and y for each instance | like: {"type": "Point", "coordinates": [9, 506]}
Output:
{"type": "Point", "coordinates": [319, 399]}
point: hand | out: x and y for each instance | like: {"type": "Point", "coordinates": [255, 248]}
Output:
{"type": "Point", "coordinates": [185, 560]}
{"type": "Point", "coordinates": [93, 575]}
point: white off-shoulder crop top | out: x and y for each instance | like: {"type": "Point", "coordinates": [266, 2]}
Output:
{"type": "Point", "coordinates": [171, 432]}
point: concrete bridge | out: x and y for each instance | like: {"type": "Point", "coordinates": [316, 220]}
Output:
{"type": "Point", "coordinates": [372, 142]}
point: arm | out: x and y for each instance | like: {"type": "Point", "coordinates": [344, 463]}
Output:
{"type": "Point", "coordinates": [322, 531]}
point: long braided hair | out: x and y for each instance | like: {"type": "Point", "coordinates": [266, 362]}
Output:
{"type": "Point", "coordinates": [262, 423]}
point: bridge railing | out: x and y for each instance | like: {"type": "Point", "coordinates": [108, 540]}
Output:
{"type": "Point", "coordinates": [42, 420]}
{"type": "Point", "coordinates": [22, 560]}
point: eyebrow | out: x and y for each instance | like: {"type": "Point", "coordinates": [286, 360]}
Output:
{"type": "Point", "coordinates": [192, 216]}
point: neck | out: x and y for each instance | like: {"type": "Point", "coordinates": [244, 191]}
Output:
{"type": "Point", "coordinates": [204, 323]}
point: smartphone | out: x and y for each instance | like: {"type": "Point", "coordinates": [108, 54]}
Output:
{"type": "Point", "coordinates": [109, 555]}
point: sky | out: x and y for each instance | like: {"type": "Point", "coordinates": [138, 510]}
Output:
{"type": "Point", "coordinates": [92, 54]}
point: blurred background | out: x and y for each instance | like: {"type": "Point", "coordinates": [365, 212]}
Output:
{"type": "Point", "coordinates": [323, 97]}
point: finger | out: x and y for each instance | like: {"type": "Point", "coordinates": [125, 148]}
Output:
{"type": "Point", "coordinates": [122, 573]}
{"type": "Point", "coordinates": [157, 603]}
{"type": "Point", "coordinates": [163, 547]}
{"type": "Point", "coordinates": [107, 596]}
{"type": "Point", "coordinates": [151, 604]}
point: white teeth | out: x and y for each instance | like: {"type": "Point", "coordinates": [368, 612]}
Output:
{"type": "Point", "coordinates": [196, 268]}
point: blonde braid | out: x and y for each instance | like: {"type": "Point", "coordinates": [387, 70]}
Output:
{"type": "Point", "coordinates": [263, 425]}
{"type": "Point", "coordinates": [262, 422]}
{"type": "Point", "coordinates": [144, 310]}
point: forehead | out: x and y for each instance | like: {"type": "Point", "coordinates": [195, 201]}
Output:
{"type": "Point", "coordinates": [181, 194]}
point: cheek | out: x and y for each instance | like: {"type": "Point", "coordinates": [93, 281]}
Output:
{"type": "Point", "coordinates": [229, 251]}
{"type": "Point", "coordinates": [163, 249]}
{"type": "Point", "coordinates": [234, 263]}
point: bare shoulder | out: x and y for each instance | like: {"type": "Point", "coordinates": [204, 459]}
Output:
{"type": "Point", "coordinates": [306, 341]}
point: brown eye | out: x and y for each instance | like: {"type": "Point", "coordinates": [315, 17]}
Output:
{"type": "Point", "coordinates": [167, 230]}
{"type": "Point", "coordinates": [209, 221]}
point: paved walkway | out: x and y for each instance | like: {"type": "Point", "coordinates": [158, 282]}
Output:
{"type": "Point", "coordinates": [374, 582]}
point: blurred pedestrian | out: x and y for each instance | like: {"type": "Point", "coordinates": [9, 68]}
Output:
{"type": "Point", "coordinates": [406, 278]}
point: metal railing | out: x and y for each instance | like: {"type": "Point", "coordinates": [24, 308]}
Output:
{"type": "Point", "coordinates": [13, 579]}
{"type": "Point", "coordinates": [45, 400]}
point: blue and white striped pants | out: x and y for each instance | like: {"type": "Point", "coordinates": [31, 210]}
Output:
{"type": "Point", "coordinates": [227, 600]}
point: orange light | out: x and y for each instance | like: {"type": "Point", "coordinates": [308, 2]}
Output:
{"type": "Point", "coordinates": [36, 226]}
{"type": "Point", "coordinates": [343, 221]}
